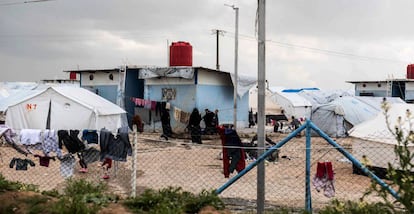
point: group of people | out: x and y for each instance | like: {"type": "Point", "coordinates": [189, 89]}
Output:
{"type": "Point", "coordinates": [194, 124]}
{"type": "Point", "coordinates": [211, 122]}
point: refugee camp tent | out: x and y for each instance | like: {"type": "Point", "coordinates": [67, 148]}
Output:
{"type": "Point", "coordinates": [337, 117]}
{"type": "Point", "coordinates": [376, 102]}
{"type": "Point", "coordinates": [374, 139]}
{"type": "Point", "coordinates": [292, 104]}
{"type": "Point", "coordinates": [272, 108]}
{"type": "Point", "coordinates": [63, 108]}
{"type": "Point", "coordinates": [320, 97]}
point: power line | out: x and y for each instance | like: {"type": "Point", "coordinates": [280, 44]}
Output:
{"type": "Point", "coordinates": [321, 51]}
{"type": "Point", "coordinates": [24, 2]}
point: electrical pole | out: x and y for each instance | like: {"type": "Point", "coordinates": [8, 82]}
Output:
{"type": "Point", "coordinates": [261, 77]}
{"type": "Point", "coordinates": [217, 32]}
{"type": "Point", "coordinates": [236, 51]}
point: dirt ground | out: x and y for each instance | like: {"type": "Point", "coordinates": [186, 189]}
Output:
{"type": "Point", "coordinates": [194, 167]}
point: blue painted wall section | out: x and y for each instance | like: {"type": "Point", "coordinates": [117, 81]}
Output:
{"type": "Point", "coordinates": [202, 97]}
{"type": "Point", "coordinates": [185, 99]}
{"type": "Point", "coordinates": [134, 87]}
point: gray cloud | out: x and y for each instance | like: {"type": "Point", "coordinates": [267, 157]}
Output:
{"type": "Point", "coordinates": [317, 43]}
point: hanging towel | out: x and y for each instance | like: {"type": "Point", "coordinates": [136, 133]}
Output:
{"type": "Point", "coordinates": [51, 143]}
{"type": "Point", "coordinates": [185, 117]}
{"type": "Point", "coordinates": [177, 114]}
{"type": "Point", "coordinates": [67, 164]}
{"type": "Point", "coordinates": [30, 136]}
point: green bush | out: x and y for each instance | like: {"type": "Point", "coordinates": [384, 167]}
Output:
{"type": "Point", "coordinates": [82, 197]}
{"type": "Point", "coordinates": [351, 207]}
{"type": "Point", "coordinates": [173, 200]}
{"type": "Point", "coordinates": [6, 185]}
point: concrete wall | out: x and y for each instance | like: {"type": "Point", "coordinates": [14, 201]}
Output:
{"type": "Point", "coordinates": [378, 89]}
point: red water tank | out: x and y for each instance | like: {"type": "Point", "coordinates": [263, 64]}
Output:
{"type": "Point", "coordinates": [181, 54]}
{"type": "Point", "coordinates": [410, 71]}
{"type": "Point", "coordinates": [72, 75]}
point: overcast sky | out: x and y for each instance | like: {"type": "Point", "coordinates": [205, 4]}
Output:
{"type": "Point", "coordinates": [318, 43]}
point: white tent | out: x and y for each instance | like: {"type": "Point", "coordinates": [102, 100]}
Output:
{"type": "Point", "coordinates": [337, 117]}
{"type": "Point", "coordinates": [292, 104]}
{"type": "Point", "coordinates": [272, 108]}
{"type": "Point", "coordinates": [374, 139]}
{"type": "Point", "coordinates": [64, 108]}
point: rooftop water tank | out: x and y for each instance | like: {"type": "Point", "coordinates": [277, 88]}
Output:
{"type": "Point", "coordinates": [410, 71]}
{"type": "Point", "coordinates": [181, 54]}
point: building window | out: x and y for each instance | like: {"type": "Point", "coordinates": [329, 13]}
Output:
{"type": "Point", "coordinates": [168, 93]}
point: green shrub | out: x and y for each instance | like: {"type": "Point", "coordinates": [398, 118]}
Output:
{"type": "Point", "coordinates": [52, 193]}
{"type": "Point", "coordinates": [351, 207]}
{"type": "Point", "coordinates": [82, 197]}
{"type": "Point", "coordinates": [6, 185]}
{"type": "Point", "coordinates": [173, 200]}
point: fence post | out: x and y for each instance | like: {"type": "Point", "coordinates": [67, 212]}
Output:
{"type": "Point", "coordinates": [134, 163]}
{"type": "Point", "coordinates": [308, 196]}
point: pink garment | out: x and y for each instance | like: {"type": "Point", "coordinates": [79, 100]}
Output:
{"type": "Point", "coordinates": [147, 104]}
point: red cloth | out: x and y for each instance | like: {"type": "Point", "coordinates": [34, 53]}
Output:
{"type": "Point", "coordinates": [108, 162]}
{"type": "Point", "coordinates": [241, 164]}
{"type": "Point", "coordinates": [325, 169]}
{"type": "Point", "coordinates": [44, 160]}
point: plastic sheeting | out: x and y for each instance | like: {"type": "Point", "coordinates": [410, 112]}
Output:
{"type": "Point", "coordinates": [183, 72]}
{"type": "Point", "coordinates": [337, 117]}
{"type": "Point", "coordinates": [245, 83]}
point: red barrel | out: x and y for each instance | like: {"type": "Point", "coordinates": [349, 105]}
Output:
{"type": "Point", "coordinates": [410, 71]}
{"type": "Point", "coordinates": [181, 54]}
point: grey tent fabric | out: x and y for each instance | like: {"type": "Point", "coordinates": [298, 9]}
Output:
{"type": "Point", "coordinates": [330, 119]}
{"type": "Point", "coordinates": [337, 117]}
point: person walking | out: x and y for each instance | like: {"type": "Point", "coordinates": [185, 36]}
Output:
{"type": "Point", "coordinates": [166, 123]}
{"type": "Point", "coordinates": [194, 126]}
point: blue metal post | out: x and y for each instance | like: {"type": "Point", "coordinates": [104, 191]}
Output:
{"type": "Point", "coordinates": [308, 196]}
{"type": "Point", "coordinates": [354, 161]}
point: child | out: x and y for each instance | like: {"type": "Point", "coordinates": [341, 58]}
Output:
{"type": "Point", "coordinates": [106, 165]}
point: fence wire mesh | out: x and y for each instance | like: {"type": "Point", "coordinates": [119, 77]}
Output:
{"type": "Point", "coordinates": [196, 167]}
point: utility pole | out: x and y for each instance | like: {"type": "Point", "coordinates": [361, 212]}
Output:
{"type": "Point", "coordinates": [236, 51]}
{"type": "Point", "coordinates": [261, 77]}
{"type": "Point", "coordinates": [218, 33]}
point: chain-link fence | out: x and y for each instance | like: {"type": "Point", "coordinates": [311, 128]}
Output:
{"type": "Point", "coordinates": [196, 167]}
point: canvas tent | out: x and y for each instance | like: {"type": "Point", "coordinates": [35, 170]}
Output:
{"type": "Point", "coordinates": [272, 108]}
{"type": "Point", "coordinates": [292, 104]}
{"type": "Point", "coordinates": [373, 138]}
{"type": "Point", "coordinates": [337, 117]}
{"type": "Point", "coordinates": [63, 108]}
